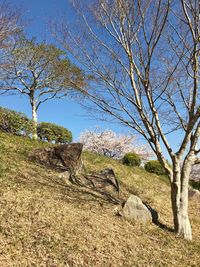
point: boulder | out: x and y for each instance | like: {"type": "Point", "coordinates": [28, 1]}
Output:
{"type": "Point", "coordinates": [103, 180]}
{"type": "Point", "coordinates": [134, 209]}
{"type": "Point", "coordinates": [61, 157]}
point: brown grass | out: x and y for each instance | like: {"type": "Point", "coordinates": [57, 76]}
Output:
{"type": "Point", "coordinates": [45, 222]}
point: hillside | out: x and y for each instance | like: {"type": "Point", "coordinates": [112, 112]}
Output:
{"type": "Point", "coordinates": [45, 222]}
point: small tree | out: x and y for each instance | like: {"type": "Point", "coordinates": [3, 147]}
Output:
{"type": "Point", "coordinates": [112, 145]}
{"type": "Point", "coordinates": [40, 72]}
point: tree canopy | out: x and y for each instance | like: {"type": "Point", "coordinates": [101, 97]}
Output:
{"type": "Point", "coordinates": [39, 71]}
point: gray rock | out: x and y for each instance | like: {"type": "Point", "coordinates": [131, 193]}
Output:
{"type": "Point", "coordinates": [135, 210]}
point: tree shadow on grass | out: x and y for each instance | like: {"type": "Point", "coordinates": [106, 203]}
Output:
{"type": "Point", "coordinates": [155, 218]}
{"type": "Point", "coordinates": [73, 192]}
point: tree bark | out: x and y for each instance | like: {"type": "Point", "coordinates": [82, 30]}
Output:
{"type": "Point", "coordinates": [179, 197]}
{"type": "Point", "coordinates": [35, 120]}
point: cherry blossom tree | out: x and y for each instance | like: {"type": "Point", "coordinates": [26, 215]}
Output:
{"type": "Point", "coordinates": [113, 145]}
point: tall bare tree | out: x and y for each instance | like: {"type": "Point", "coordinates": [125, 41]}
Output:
{"type": "Point", "coordinates": [40, 72]}
{"type": "Point", "coordinates": [144, 60]}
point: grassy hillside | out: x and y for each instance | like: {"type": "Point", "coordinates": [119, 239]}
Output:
{"type": "Point", "coordinates": [44, 222]}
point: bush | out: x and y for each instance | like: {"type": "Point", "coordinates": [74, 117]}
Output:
{"type": "Point", "coordinates": [131, 159]}
{"type": "Point", "coordinates": [154, 166]}
{"type": "Point", "coordinates": [15, 122]}
{"type": "Point", "coordinates": [53, 133]}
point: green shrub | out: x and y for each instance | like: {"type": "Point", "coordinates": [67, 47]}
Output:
{"type": "Point", "coordinates": [15, 122]}
{"type": "Point", "coordinates": [131, 159]}
{"type": "Point", "coordinates": [53, 133]}
{"type": "Point", "coordinates": [154, 166]}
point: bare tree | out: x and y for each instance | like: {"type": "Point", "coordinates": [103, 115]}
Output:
{"type": "Point", "coordinates": [40, 72]}
{"type": "Point", "coordinates": [144, 60]}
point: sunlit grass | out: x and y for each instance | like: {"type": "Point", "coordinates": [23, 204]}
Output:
{"type": "Point", "coordinates": [45, 222]}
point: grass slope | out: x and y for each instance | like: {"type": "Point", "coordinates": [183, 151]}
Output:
{"type": "Point", "coordinates": [44, 222]}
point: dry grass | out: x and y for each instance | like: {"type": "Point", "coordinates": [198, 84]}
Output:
{"type": "Point", "coordinates": [45, 222]}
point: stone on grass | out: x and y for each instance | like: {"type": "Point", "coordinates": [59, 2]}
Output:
{"type": "Point", "coordinates": [135, 210]}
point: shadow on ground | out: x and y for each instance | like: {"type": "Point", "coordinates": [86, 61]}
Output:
{"type": "Point", "coordinates": [67, 191]}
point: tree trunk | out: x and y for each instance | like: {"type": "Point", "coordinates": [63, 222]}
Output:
{"type": "Point", "coordinates": [179, 197]}
{"type": "Point", "coordinates": [35, 120]}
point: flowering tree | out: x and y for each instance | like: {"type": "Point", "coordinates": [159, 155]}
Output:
{"type": "Point", "coordinates": [111, 144]}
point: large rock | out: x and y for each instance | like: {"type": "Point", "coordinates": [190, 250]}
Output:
{"type": "Point", "coordinates": [103, 180]}
{"type": "Point", "coordinates": [62, 157]}
{"type": "Point", "coordinates": [135, 210]}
